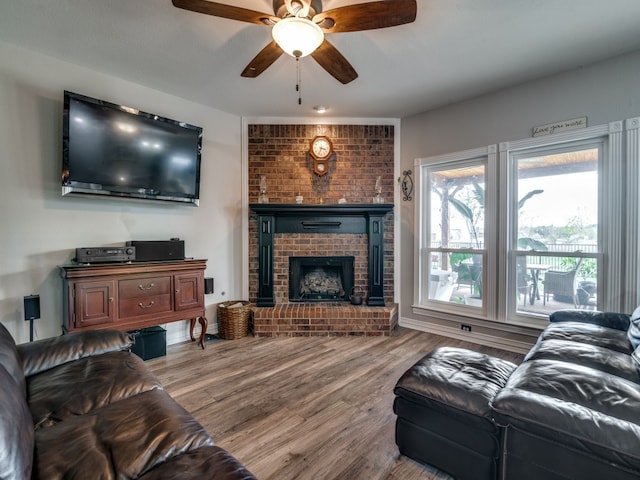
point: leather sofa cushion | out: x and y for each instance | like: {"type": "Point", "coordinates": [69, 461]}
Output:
{"type": "Point", "coordinates": [577, 403]}
{"type": "Point", "coordinates": [48, 353]}
{"type": "Point", "coordinates": [615, 320]}
{"type": "Point", "coordinates": [16, 429]}
{"type": "Point", "coordinates": [210, 462]}
{"type": "Point", "coordinates": [125, 439]}
{"type": "Point", "coordinates": [599, 358]}
{"type": "Point", "coordinates": [456, 381]}
{"type": "Point", "coordinates": [589, 334]}
{"type": "Point", "coordinates": [78, 387]}
{"type": "Point", "coordinates": [11, 360]}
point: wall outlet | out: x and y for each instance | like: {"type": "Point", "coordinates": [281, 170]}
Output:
{"type": "Point", "coordinates": [465, 328]}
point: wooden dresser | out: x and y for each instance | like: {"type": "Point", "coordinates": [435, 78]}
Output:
{"type": "Point", "coordinates": [131, 296]}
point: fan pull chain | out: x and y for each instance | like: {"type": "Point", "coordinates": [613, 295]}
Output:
{"type": "Point", "coordinates": [298, 81]}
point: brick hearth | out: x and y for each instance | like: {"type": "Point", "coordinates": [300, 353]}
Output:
{"type": "Point", "coordinates": [324, 319]}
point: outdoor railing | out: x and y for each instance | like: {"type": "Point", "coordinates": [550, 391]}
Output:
{"type": "Point", "coordinates": [564, 250]}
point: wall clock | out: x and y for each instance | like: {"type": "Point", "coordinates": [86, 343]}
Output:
{"type": "Point", "coordinates": [321, 149]}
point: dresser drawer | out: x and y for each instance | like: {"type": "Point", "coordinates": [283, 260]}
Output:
{"type": "Point", "coordinates": [135, 307]}
{"type": "Point", "coordinates": [143, 287]}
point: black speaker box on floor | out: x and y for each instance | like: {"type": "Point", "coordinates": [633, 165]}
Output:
{"type": "Point", "coordinates": [150, 342]}
{"type": "Point", "coordinates": [158, 250]}
{"type": "Point", "coordinates": [31, 307]}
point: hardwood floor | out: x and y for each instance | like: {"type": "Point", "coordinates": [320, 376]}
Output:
{"type": "Point", "coordinates": [304, 408]}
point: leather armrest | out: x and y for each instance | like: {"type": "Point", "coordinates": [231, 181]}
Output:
{"type": "Point", "coordinates": [47, 353]}
{"type": "Point", "coordinates": [618, 321]}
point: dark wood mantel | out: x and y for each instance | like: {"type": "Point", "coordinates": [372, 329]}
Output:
{"type": "Point", "coordinates": [345, 209]}
{"type": "Point", "coordinates": [342, 218]}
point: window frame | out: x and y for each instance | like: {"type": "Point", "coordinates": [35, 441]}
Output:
{"type": "Point", "coordinates": [619, 207]}
{"type": "Point", "coordinates": [488, 157]}
{"type": "Point", "coordinates": [513, 253]}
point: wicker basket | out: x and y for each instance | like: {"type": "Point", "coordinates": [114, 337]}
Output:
{"type": "Point", "coordinates": [233, 319]}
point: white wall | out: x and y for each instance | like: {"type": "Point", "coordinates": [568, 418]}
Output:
{"type": "Point", "coordinates": [604, 92]}
{"type": "Point", "coordinates": [39, 229]}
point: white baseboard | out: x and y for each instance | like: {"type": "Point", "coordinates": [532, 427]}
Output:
{"type": "Point", "coordinates": [509, 344]}
{"type": "Point", "coordinates": [178, 332]}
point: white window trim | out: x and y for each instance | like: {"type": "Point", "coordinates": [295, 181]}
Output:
{"type": "Point", "coordinates": [620, 214]}
{"type": "Point", "coordinates": [631, 298]}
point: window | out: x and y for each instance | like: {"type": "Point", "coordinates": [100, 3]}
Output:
{"type": "Point", "coordinates": [555, 235]}
{"type": "Point", "coordinates": [515, 231]}
{"type": "Point", "coordinates": [455, 252]}
{"type": "Point", "coordinates": [453, 244]}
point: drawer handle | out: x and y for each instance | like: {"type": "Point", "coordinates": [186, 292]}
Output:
{"type": "Point", "coordinates": [147, 306]}
{"type": "Point", "coordinates": [142, 287]}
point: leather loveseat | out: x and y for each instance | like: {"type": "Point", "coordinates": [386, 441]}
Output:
{"type": "Point", "coordinates": [572, 408]}
{"type": "Point", "coordinates": [83, 406]}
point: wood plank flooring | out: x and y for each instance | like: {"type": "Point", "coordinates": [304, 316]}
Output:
{"type": "Point", "coordinates": [304, 408]}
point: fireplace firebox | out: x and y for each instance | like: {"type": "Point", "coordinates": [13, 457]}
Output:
{"type": "Point", "coordinates": [320, 279]}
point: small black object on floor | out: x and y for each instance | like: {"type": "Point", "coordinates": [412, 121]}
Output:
{"type": "Point", "coordinates": [150, 342]}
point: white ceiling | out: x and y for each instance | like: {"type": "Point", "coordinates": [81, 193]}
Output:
{"type": "Point", "coordinates": [456, 49]}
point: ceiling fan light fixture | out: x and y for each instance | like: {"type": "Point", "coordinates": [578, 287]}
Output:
{"type": "Point", "coordinates": [297, 36]}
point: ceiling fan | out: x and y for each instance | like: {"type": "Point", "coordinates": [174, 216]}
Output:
{"type": "Point", "coordinates": [299, 26]}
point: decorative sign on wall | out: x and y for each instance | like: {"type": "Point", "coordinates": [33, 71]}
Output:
{"type": "Point", "coordinates": [563, 126]}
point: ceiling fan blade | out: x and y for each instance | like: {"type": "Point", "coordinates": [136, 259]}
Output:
{"type": "Point", "coordinates": [367, 16]}
{"type": "Point", "coordinates": [262, 61]}
{"type": "Point", "coordinates": [333, 62]}
{"type": "Point", "coordinates": [226, 11]}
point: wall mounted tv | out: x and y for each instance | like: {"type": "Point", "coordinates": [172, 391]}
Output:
{"type": "Point", "coordinates": [114, 150]}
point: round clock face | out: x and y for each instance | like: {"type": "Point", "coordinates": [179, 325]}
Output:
{"type": "Point", "coordinates": [321, 147]}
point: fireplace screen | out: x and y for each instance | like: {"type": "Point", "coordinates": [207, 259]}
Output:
{"type": "Point", "coordinates": [317, 279]}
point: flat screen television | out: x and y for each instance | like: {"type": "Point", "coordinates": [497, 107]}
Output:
{"type": "Point", "coordinates": [114, 150]}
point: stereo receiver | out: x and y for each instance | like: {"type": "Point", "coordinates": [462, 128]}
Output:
{"type": "Point", "coordinates": [105, 254]}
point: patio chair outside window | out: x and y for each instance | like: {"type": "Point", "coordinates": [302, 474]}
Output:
{"type": "Point", "coordinates": [562, 285]}
{"type": "Point", "coordinates": [524, 282]}
{"type": "Point", "coordinates": [469, 274]}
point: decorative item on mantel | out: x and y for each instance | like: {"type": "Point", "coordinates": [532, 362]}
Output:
{"type": "Point", "coordinates": [263, 190]}
{"type": "Point", "coordinates": [378, 198]}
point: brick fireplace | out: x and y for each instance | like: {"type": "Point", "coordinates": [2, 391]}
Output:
{"type": "Point", "coordinates": [322, 227]}
{"type": "Point", "coordinates": [338, 232]}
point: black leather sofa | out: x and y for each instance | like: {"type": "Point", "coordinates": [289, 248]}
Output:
{"type": "Point", "coordinates": [82, 406]}
{"type": "Point", "coordinates": [570, 410]}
